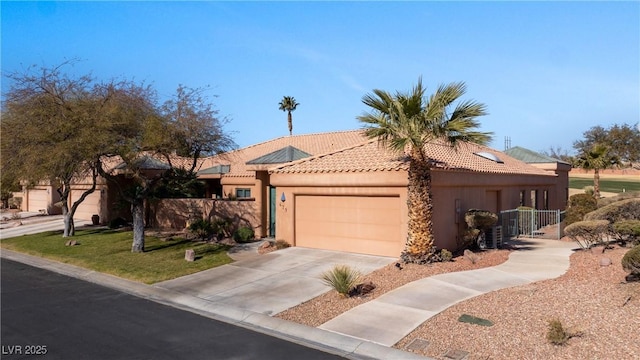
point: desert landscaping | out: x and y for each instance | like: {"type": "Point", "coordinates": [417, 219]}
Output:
{"type": "Point", "coordinates": [590, 300]}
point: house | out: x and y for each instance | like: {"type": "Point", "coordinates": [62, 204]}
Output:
{"type": "Point", "coordinates": [541, 161]}
{"type": "Point", "coordinates": [342, 191]}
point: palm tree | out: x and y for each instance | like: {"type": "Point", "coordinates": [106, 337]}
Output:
{"type": "Point", "coordinates": [597, 158]}
{"type": "Point", "coordinates": [288, 104]}
{"type": "Point", "coordinates": [408, 122]}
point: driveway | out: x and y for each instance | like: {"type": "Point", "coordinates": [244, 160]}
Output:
{"type": "Point", "coordinates": [34, 223]}
{"type": "Point", "coordinates": [273, 282]}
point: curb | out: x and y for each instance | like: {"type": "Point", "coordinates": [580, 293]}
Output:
{"type": "Point", "coordinates": [327, 341]}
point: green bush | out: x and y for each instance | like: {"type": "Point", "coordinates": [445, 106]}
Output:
{"type": "Point", "coordinates": [627, 230]}
{"type": "Point", "coordinates": [202, 229]}
{"type": "Point", "coordinates": [631, 260]}
{"type": "Point", "coordinates": [223, 228]}
{"type": "Point", "coordinates": [243, 234]}
{"type": "Point", "coordinates": [587, 233]}
{"type": "Point", "coordinates": [628, 209]}
{"type": "Point", "coordinates": [578, 206]}
{"type": "Point", "coordinates": [342, 278]}
{"type": "Point", "coordinates": [445, 255]}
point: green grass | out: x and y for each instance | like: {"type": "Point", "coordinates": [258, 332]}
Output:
{"type": "Point", "coordinates": [109, 251]}
{"type": "Point", "coordinates": [606, 185]}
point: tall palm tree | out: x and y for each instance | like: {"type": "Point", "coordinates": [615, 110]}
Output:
{"type": "Point", "coordinates": [408, 122]}
{"type": "Point", "coordinates": [289, 104]}
{"type": "Point", "coordinates": [597, 158]}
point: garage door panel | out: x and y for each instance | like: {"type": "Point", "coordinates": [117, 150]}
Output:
{"type": "Point", "coordinates": [38, 200]}
{"type": "Point", "coordinates": [88, 207]}
{"type": "Point", "coordinates": [361, 224]}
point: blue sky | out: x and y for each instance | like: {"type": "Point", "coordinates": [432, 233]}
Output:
{"type": "Point", "coordinates": [547, 71]}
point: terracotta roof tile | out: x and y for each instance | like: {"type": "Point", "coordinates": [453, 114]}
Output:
{"type": "Point", "coordinates": [313, 144]}
{"type": "Point", "coordinates": [371, 156]}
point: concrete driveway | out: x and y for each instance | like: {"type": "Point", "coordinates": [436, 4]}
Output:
{"type": "Point", "coordinates": [273, 282]}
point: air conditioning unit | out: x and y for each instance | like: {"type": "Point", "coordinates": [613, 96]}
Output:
{"type": "Point", "coordinates": [493, 237]}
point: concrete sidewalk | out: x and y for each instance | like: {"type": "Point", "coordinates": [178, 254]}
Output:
{"type": "Point", "coordinates": [390, 317]}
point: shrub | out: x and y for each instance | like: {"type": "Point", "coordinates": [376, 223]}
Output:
{"type": "Point", "coordinates": [478, 222]}
{"type": "Point", "coordinates": [578, 206]}
{"type": "Point", "coordinates": [202, 229]}
{"type": "Point", "coordinates": [243, 234]}
{"type": "Point", "coordinates": [628, 209]}
{"type": "Point", "coordinates": [621, 196]}
{"type": "Point", "coordinates": [445, 255]}
{"type": "Point", "coordinates": [223, 228]}
{"type": "Point", "coordinates": [342, 278]}
{"type": "Point", "coordinates": [631, 260]}
{"type": "Point", "coordinates": [587, 233]}
{"type": "Point", "coordinates": [118, 223]}
{"type": "Point", "coordinates": [558, 335]}
{"type": "Point", "coordinates": [281, 244]}
{"type": "Point", "coordinates": [628, 230]}
{"type": "Point", "coordinates": [589, 190]}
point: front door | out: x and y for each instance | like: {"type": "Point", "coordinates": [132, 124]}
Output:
{"type": "Point", "coordinates": [272, 211]}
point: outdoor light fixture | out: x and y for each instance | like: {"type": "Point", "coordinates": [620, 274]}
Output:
{"type": "Point", "coordinates": [282, 198]}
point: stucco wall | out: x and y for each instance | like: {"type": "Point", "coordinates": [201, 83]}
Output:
{"type": "Point", "coordinates": [174, 213]}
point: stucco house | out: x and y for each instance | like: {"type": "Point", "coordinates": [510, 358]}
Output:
{"type": "Point", "coordinates": [342, 191]}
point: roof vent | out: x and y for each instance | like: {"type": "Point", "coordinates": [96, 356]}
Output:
{"type": "Point", "coordinates": [490, 156]}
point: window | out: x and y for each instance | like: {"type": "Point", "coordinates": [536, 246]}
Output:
{"type": "Point", "coordinates": [243, 193]}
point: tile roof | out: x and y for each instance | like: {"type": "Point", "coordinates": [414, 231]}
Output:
{"type": "Point", "coordinates": [313, 144]}
{"type": "Point", "coordinates": [370, 156]}
{"type": "Point", "coordinates": [530, 157]}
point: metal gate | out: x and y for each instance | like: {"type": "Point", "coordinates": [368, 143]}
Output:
{"type": "Point", "coordinates": [546, 224]}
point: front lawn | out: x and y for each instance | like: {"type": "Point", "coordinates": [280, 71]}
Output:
{"type": "Point", "coordinates": [109, 251]}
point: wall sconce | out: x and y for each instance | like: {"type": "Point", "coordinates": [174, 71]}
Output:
{"type": "Point", "coordinates": [283, 198]}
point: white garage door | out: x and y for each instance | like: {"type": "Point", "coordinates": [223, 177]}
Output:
{"type": "Point", "coordinates": [88, 207]}
{"type": "Point", "coordinates": [360, 224]}
{"type": "Point", "coordinates": [38, 200]}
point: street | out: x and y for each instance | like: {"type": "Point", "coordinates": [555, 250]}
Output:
{"type": "Point", "coordinates": [50, 316]}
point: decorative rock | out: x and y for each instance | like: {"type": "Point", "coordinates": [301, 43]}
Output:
{"type": "Point", "coordinates": [632, 277]}
{"type": "Point", "coordinates": [190, 255]}
{"type": "Point", "coordinates": [71, 243]}
{"type": "Point", "coordinates": [264, 245]}
{"type": "Point", "coordinates": [605, 262]}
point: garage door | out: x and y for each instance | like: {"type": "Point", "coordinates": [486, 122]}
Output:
{"type": "Point", "coordinates": [367, 225]}
{"type": "Point", "coordinates": [88, 207]}
{"type": "Point", "coordinates": [38, 200]}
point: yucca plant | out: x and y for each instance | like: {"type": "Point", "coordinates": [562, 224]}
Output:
{"type": "Point", "coordinates": [342, 278]}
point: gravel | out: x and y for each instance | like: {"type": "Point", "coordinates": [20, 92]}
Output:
{"type": "Point", "coordinates": [591, 301]}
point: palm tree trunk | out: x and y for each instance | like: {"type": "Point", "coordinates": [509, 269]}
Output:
{"type": "Point", "coordinates": [420, 239]}
{"type": "Point", "coordinates": [290, 119]}
{"type": "Point", "coordinates": [596, 183]}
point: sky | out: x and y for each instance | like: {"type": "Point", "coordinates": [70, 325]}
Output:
{"type": "Point", "coordinates": [546, 71]}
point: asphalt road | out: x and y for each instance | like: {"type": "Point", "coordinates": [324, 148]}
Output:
{"type": "Point", "coordinates": [51, 316]}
